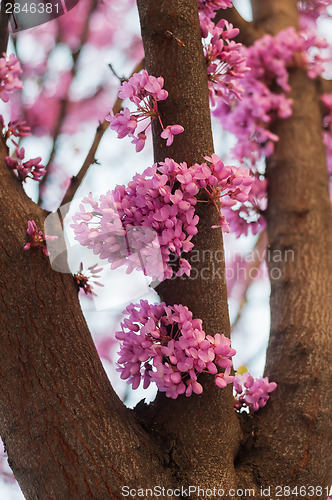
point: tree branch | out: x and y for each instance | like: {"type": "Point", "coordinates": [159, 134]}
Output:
{"type": "Point", "coordinates": [90, 158]}
{"type": "Point", "coordinates": [203, 430]}
{"type": "Point", "coordinates": [65, 101]}
{"type": "Point", "coordinates": [294, 430]}
{"type": "Point", "coordinates": [66, 433]}
{"type": "Point", "coordinates": [298, 357]}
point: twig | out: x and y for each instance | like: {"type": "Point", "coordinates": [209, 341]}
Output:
{"type": "Point", "coordinates": [65, 101]}
{"type": "Point", "coordinates": [121, 79]}
{"type": "Point", "coordinates": [258, 248]}
{"type": "Point", "coordinates": [90, 158]}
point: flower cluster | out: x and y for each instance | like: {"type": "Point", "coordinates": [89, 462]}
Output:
{"type": "Point", "coordinates": [165, 345]}
{"type": "Point", "coordinates": [142, 224]}
{"type": "Point", "coordinates": [269, 59]}
{"type": "Point", "coordinates": [14, 128]}
{"type": "Point", "coordinates": [226, 64]}
{"type": "Point", "coordinates": [311, 10]}
{"type": "Point", "coordinates": [144, 91]}
{"type": "Point", "coordinates": [30, 168]}
{"type": "Point", "coordinates": [84, 280]}
{"type": "Point", "coordinates": [252, 393]}
{"type": "Point", "coordinates": [250, 119]}
{"type": "Point", "coordinates": [37, 238]}
{"type": "Point", "coordinates": [10, 71]}
{"type": "Point", "coordinates": [249, 215]}
{"type": "Point", "coordinates": [231, 189]}
{"type": "Point", "coordinates": [208, 8]}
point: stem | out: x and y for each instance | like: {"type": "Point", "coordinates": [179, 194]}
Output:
{"type": "Point", "coordinates": [65, 101]}
{"type": "Point", "coordinates": [90, 158]}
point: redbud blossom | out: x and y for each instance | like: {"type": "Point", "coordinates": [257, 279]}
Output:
{"type": "Point", "coordinates": [151, 222]}
{"type": "Point", "coordinates": [37, 238]}
{"type": "Point", "coordinates": [165, 345]}
{"type": "Point", "coordinates": [169, 132]}
{"type": "Point", "coordinates": [84, 280]}
{"type": "Point", "coordinates": [14, 128]}
{"type": "Point", "coordinates": [10, 70]}
{"type": "Point", "coordinates": [252, 393]}
{"type": "Point", "coordinates": [30, 168]}
{"type": "Point", "coordinates": [144, 91]}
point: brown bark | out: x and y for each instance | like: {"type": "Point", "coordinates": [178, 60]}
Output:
{"type": "Point", "coordinates": [296, 428]}
{"type": "Point", "coordinates": [202, 428]}
{"type": "Point", "coordinates": [274, 16]}
{"type": "Point", "coordinates": [294, 431]}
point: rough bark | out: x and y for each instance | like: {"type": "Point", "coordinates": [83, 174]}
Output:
{"type": "Point", "coordinates": [294, 431]}
{"type": "Point", "coordinates": [203, 430]}
{"type": "Point", "coordinates": [296, 428]}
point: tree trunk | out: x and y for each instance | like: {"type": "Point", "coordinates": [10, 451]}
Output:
{"type": "Point", "coordinates": [294, 430]}
{"type": "Point", "coordinates": [209, 428]}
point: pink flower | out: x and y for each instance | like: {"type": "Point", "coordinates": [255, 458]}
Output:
{"type": "Point", "coordinates": [15, 128]}
{"type": "Point", "coordinates": [124, 123]}
{"type": "Point", "coordinates": [252, 393]}
{"type": "Point", "coordinates": [222, 379]}
{"type": "Point", "coordinates": [144, 91]}
{"type": "Point", "coordinates": [208, 8]}
{"type": "Point", "coordinates": [139, 141]}
{"type": "Point", "coordinates": [185, 268]}
{"type": "Point", "coordinates": [165, 345]}
{"type": "Point", "coordinates": [30, 168]}
{"type": "Point", "coordinates": [82, 280]}
{"type": "Point", "coordinates": [269, 59]}
{"type": "Point", "coordinates": [169, 132]}
{"type": "Point", "coordinates": [140, 225]}
{"type": "Point", "coordinates": [10, 70]}
{"type": "Point", "coordinates": [37, 238]}
{"type": "Point", "coordinates": [310, 10]}
{"type": "Point", "coordinates": [226, 64]}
